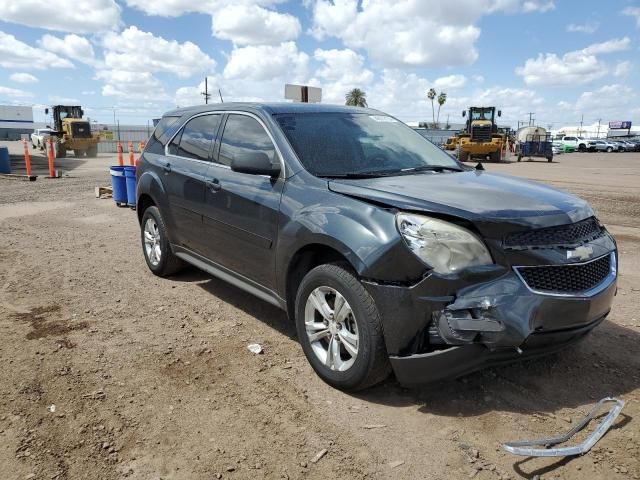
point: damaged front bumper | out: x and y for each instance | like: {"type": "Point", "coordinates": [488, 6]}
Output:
{"type": "Point", "coordinates": [447, 327]}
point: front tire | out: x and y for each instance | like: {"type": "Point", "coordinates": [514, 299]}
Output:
{"type": "Point", "coordinates": [340, 329]}
{"type": "Point", "coordinates": [609, 149]}
{"type": "Point", "coordinates": [155, 244]}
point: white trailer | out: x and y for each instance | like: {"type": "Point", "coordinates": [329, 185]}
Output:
{"type": "Point", "coordinates": [15, 121]}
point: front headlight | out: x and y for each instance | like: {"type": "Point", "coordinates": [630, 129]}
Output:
{"type": "Point", "coordinates": [445, 247]}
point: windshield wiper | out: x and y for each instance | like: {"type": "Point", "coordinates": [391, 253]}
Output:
{"type": "Point", "coordinates": [371, 174]}
{"type": "Point", "coordinates": [431, 168]}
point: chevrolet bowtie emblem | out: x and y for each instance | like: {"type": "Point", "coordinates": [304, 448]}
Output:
{"type": "Point", "coordinates": [581, 253]}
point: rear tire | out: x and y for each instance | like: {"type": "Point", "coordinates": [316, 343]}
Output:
{"type": "Point", "coordinates": [370, 365]}
{"type": "Point", "coordinates": [550, 159]}
{"type": "Point", "coordinates": [155, 244]}
{"type": "Point", "coordinates": [495, 157]}
{"type": "Point", "coordinates": [582, 148]}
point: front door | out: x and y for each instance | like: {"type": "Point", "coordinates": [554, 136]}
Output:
{"type": "Point", "coordinates": [185, 169]}
{"type": "Point", "coordinates": [241, 217]}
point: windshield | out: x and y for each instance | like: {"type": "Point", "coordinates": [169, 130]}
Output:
{"type": "Point", "coordinates": [344, 144]}
{"type": "Point", "coordinates": [481, 114]}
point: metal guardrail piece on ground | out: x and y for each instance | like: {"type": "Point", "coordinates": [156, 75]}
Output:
{"type": "Point", "coordinates": [524, 447]}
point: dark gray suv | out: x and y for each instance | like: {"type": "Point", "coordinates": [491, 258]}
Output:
{"type": "Point", "coordinates": [387, 252]}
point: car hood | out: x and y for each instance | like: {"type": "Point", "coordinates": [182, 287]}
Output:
{"type": "Point", "coordinates": [495, 203]}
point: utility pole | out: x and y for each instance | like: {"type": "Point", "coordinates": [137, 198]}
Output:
{"type": "Point", "coordinates": [206, 93]}
{"type": "Point", "coordinates": [581, 122]}
{"type": "Point", "coordinates": [598, 134]}
{"type": "Point", "coordinates": [531, 114]}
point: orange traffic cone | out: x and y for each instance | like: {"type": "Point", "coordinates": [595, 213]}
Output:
{"type": "Point", "coordinates": [27, 158]}
{"type": "Point", "coordinates": [132, 161]}
{"type": "Point", "coordinates": [120, 159]}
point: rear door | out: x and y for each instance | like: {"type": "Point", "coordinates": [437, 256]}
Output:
{"type": "Point", "coordinates": [186, 163]}
{"type": "Point", "coordinates": [241, 217]}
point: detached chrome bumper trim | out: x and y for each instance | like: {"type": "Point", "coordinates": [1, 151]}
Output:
{"type": "Point", "coordinates": [524, 448]}
{"type": "Point", "coordinates": [613, 272]}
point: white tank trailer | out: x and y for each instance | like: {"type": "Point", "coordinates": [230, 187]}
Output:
{"type": "Point", "coordinates": [532, 142]}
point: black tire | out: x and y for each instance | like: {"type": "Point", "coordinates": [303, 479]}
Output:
{"type": "Point", "coordinates": [550, 159]}
{"type": "Point", "coordinates": [609, 149]}
{"type": "Point", "coordinates": [495, 156]}
{"type": "Point", "coordinates": [463, 156]}
{"type": "Point", "coordinates": [582, 148]}
{"type": "Point", "coordinates": [371, 364]}
{"type": "Point", "coordinates": [168, 263]}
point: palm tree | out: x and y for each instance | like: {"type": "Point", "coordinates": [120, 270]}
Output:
{"type": "Point", "coordinates": [442, 99]}
{"type": "Point", "coordinates": [356, 98]}
{"type": "Point", "coordinates": [431, 94]}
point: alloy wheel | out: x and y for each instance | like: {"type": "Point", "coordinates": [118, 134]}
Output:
{"type": "Point", "coordinates": [152, 241]}
{"type": "Point", "coordinates": [331, 328]}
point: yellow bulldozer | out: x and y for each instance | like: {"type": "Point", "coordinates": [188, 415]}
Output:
{"type": "Point", "coordinates": [480, 138]}
{"type": "Point", "coordinates": [72, 132]}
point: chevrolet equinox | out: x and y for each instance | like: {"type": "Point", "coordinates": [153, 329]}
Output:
{"type": "Point", "coordinates": [387, 253]}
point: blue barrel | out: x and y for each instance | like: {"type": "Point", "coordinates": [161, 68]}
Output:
{"type": "Point", "coordinates": [119, 184]}
{"type": "Point", "coordinates": [130, 176]}
{"type": "Point", "coordinates": [5, 161]}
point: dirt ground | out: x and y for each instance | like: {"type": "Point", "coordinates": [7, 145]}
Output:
{"type": "Point", "coordinates": [109, 372]}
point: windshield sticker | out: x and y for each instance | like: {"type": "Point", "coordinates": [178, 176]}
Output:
{"type": "Point", "coordinates": [382, 118]}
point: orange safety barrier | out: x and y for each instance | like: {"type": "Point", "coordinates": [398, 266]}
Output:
{"type": "Point", "coordinates": [132, 161]}
{"type": "Point", "coordinates": [120, 159]}
{"type": "Point", "coordinates": [50, 156]}
{"type": "Point", "coordinates": [27, 158]}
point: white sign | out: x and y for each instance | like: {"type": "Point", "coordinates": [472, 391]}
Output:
{"type": "Point", "coordinates": [302, 93]}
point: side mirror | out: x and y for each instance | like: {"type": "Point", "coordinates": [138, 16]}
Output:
{"type": "Point", "coordinates": [464, 113]}
{"type": "Point", "coordinates": [254, 163]}
{"type": "Point", "coordinates": [499, 113]}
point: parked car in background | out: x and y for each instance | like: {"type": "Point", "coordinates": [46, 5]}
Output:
{"type": "Point", "coordinates": [388, 254]}
{"type": "Point", "coordinates": [580, 144]}
{"type": "Point", "coordinates": [628, 146]}
{"type": "Point", "coordinates": [39, 137]}
{"type": "Point", "coordinates": [563, 147]}
{"type": "Point", "coordinates": [601, 146]}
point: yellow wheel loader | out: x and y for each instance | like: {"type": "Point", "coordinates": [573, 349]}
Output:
{"type": "Point", "coordinates": [480, 138]}
{"type": "Point", "coordinates": [72, 132]}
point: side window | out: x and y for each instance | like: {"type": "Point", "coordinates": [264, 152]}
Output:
{"type": "Point", "coordinates": [243, 133]}
{"type": "Point", "coordinates": [194, 141]}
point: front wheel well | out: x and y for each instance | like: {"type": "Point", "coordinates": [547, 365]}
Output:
{"type": "Point", "coordinates": [145, 201]}
{"type": "Point", "coordinates": [305, 260]}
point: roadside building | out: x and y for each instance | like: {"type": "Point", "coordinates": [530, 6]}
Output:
{"type": "Point", "coordinates": [15, 121]}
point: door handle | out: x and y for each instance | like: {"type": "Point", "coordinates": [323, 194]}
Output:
{"type": "Point", "coordinates": [167, 167]}
{"type": "Point", "coordinates": [214, 185]}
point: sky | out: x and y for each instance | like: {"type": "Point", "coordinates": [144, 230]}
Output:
{"type": "Point", "coordinates": [564, 61]}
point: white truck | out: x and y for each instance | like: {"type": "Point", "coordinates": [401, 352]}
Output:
{"type": "Point", "coordinates": [39, 137]}
{"type": "Point", "coordinates": [581, 144]}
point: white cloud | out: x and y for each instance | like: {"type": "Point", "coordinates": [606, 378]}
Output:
{"type": "Point", "coordinates": [341, 71]}
{"type": "Point", "coordinates": [176, 8]}
{"type": "Point", "coordinates": [17, 54]}
{"type": "Point", "coordinates": [589, 27]}
{"type": "Point", "coordinates": [450, 82]}
{"type": "Point", "coordinates": [606, 99]}
{"type": "Point", "coordinates": [72, 46]}
{"type": "Point", "coordinates": [610, 46]}
{"type": "Point", "coordinates": [406, 33]}
{"type": "Point", "coordinates": [622, 69]}
{"type": "Point", "coordinates": [576, 67]}
{"type": "Point", "coordinates": [85, 16]}
{"type": "Point", "coordinates": [131, 85]}
{"type": "Point", "coordinates": [264, 62]}
{"type": "Point", "coordinates": [14, 93]}
{"type": "Point", "coordinates": [252, 24]}
{"type": "Point", "coordinates": [88, 92]}
{"type": "Point", "coordinates": [23, 78]}
{"type": "Point", "coordinates": [633, 12]}
{"type": "Point", "coordinates": [133, 50]}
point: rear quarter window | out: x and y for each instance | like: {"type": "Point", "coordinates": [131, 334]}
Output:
{"type": "Point", "coordinates": [161, 135]}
